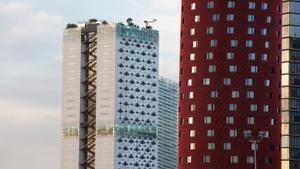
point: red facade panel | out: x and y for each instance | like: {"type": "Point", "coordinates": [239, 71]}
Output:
{"type": "Point", "coordinates": [216, 59]}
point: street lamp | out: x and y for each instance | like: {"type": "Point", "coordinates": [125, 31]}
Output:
{"type": "Point", "coordinates": [248, 135]}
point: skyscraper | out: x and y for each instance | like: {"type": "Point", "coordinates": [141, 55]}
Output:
{"type": "Point", "coordinates": [167, 123]}
{"type": "Point", "coordinates": [230, 62]}
{"type": "Point", "coordinates": [290, 85]}
{"type": "Point", "coordinates": [110, 96]}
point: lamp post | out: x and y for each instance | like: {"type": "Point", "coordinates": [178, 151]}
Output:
{"type": "Point", "coordinates": [248, 135]}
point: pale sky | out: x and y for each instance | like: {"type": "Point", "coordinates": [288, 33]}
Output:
{"type": "Point", "coordinates": [30, 68]}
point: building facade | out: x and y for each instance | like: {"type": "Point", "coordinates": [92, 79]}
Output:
{"type": "Point", "coordinates": [290, 85]}
{"type": "Point", "coordinates": [110, 96]}
{"type": "Point", "coordinates": [167, 123]}
{"type": "Point", "coordinates": [230, 64]}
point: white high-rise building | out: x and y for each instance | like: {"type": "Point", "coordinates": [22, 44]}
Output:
{"type": "Point", "coordinates": [167, 124]}
{"type": "Point", "coordinates": [110, 96]}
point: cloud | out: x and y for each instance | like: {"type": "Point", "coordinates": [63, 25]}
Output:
{"type": "Point", "coordinates": [30, 87]}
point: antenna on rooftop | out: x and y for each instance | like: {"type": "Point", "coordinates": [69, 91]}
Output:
{"type": "Point", "coordinates": [147, 22]}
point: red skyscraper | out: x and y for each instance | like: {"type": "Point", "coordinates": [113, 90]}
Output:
{"type": "Point", "coordinates": [229, 83]}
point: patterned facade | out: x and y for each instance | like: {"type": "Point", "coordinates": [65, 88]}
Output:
{"type": "Point", "coordinates": [126, 95]}
{"type": "Point", "coordinates": [290, 85]}
{"type": "Point", "coordinates": [230, 64]}
{"type": "Point", "coordinates": [167, 124]}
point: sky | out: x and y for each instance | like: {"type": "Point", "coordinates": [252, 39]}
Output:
{"type": "Point", "coordinates": [31, 68]}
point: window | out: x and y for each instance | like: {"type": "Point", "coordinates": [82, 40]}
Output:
{"type": "Point", "coordinates": [230, 17]}
{"type": "Point", "coordinates": [214, 94]}
{"type": "Point", "coordinates": [249, 43]}
{"type": "Point", "coordinates": [210, 133]}
{"type": "Point", "coordinates": [251, 31]}
{"type": "Point", "coordinates": [192, 56]}
{"type": "Point", "coordinates": [192, 107]}
{"type": "Point", "coordinates": [251, 5]}
{"type": "Point", "coordinates": [234, 159]}
{"type": "Point", "coordinates": [213, 43]}
{"type": "Point", "coordinates": [192, 146]}
{"type": "Point", "coordinates": [267, 44]}
{"type": "Point", "coordinates": [254, 146]}
{"type": "Point", "coordinates": [251, 18]}
{"type": "Point", "coordinates": [212, 68]}
{"type": "Point", "coordinates": [230, 30]}
{"type": "Point", "coordinates": [232, 107]}
{"type": "Point", "coordinates": [250, 159]}
{"type": "Point", "coordinates": [227, 81]}
{"type": "Point", "coordinates": [267, 83]}
{"type": "Point", "coordinates": [231, 4]}
{"type": "Point", "coordinates": [264, 31]}
{"type": "Point", "coordinates": [211, 146]}
{"type": "Point", "coordinates": [269, 19]}
{"type": "Point", "coordinates": [190, 120]}
{"type": "Point", "coordinates": [189, 82]}
{"type": "Point", "coordinates": [235, 94]}
{"type": "Point", "coordinates": [206, 81]}
{"type": "Point", "coordinates": [230, 55]}
{"type": "Point", "coordinates": [264, 6]}
{"type": "Point", "coordinates": [194, 69]}
{"type": "Point", "coordinates": [193, 6]}
{"type": "Point", "coordinates": [210, 30]}
{"type": "Point", "coordinates": [206, 159]}
{"type": "Point", "coordinates": [233, 133]}
{"type": "Point", "coordinates": [197, 18]}
{"type": "Point", "coordinates": [227, 146]}
{"type": "Point", "coordinates": [207, 120]}
{"type": "Point", "coordinates": [251, 56]}
{"type": "Point", "coordinates": [229, 120]}
{"type": "Point", "coordinates": [234, 43]}
{"type": "Point", "coordinates": [272, 122]}
{"type": "Point", "coordinates": [254, 69]}
{"type": "Point", "coordinates": [210, 4]}
{"type": "Point", "coordinates": [232, 68]}
{"type": "Point", "coordinates": [250, 94]}
{"type": "Point", "coordinates": [251, 120]}
{"type": "Point", "coordinates": [266, 108]}
{"type": "Point", "coordinates": [189, 159]}
{"type": "Point", "coordinates": [248, 82]}
{"type": "Point", "coordinates": [209, 55]}
{"type": "Point", "coordinates": [195, 44]}
{"type": "Point", "coordinates": [192, 31]}
{"type": "Point", "coordinates": [216, 17]}
{"type": "Point", "coordinates": [192, 133]}
{"type": "Point", "coordinates": [253, 107]}
{"type": "Point", "coordinates": [210, 107]}
{"type": "Point", "coordinates": [264, 57]}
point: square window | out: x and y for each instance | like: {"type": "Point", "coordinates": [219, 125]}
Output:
{"type": "Point", "coordinates": [269, 19]}
{"type": "Point", "coordinates": [264, 57]}
{"type": "Point", "coordinates": [216, 17]}
{"type": "Point", "coordinates": [209, 55]}
{"type": "Point", "coordinates": [207, 120]}
{"type": "Point", "coordinates": [195, 44]}
{"type": "Point", "coordinates": [227, 146]}
{"type": "Point", "coordinates": [248, 82]}
{"type": "Point", "coordinates": [213, 43]}
{"type": "Point", "coordinates": [230, 55]}
{"type": "Point", "coordinates": [250, 94]}
{"type": "Point", "coordinates": [266, 108]}
{"type": "Point", "coordinates": [235, 94]}
{"type": "Point", "coordinates": [230, 30]}
{"type": "Point", "coordinates": [253, 107]}
{"type": "Point", "coordinates": [264, 6]}
{"type": "Point", "coordinates": [206, 159]}
{"type": "Point", "coordinates": [251, 56]}
{"type": "Point", "coordinates": [231, 4]}
{"type": "Point", "coordinates": [249, 43]}
{"type": "Point", "coordinates": [230, 17]}
{"type": "Point", "coordinates": [251, 18]}
{"type": "Point", "coordinates": [267, 83]}
{"type": "Point", "coordinates": [194, 69]}
{"type": "Point", "coordinates": [251, 120]}
{"type": "Point", "coordinates": [251, 31]}
{"type": "Point", "coordinates": [229, 120]}
{"type": "Point", "coordinates": [191, 95]}
{"type": "Point", "coordinates": [264, 31]}
{"type": "Point", "coordinates": [210, 107]}
{"type": "Point", "coordinates": [210, 30]}
{"type": "Point", "coordinates": [192, 146]}
{"type": "Point", "coordinates": [227, 81]}
{"type": "Point", "coordinates": [232, 133]}
{"type": "Point", "coordinates": [251, 5]}
{"type": "Point", "coordinates": [254, 69]}
{"type": "Point", "coordinates": [232, 68]}
{"type": "Point", "coordinates": [189, 159]}
{"type": "Point", "coordinates": [267, 44]}
{"type": "Point", "coordinates": [212, 68]}
{"type": "Point", "coordinates": [232, 107]}
{"type": "Point", "coordinates": [190, 120]}
{"type": "Point", "coordinates": [211, 146]}
{"type": "Point", "coordinates": [234, 43]}
{"type": "Point", "coordinates": [210, 4]}
{"type": "Point", "coordinates": [250, 159]}
{"type": "Point", "coordinates": [192, 31]}
{"type": "Point", "coordinates": [214, 94]}
{"type": "Point", "coordinates": [189, 82]}
{"type": "Point", "coordinates": [210, 133]}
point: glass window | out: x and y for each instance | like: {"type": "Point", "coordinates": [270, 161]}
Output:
{"type": "Point", "coordinates": [266, 108]}
{"type": "Point", "coordinates": [230, 30]}
{"type": "Point", "coordinates": [249, 43]}
{"type": "Point", "coordinates": [216, 17]}
{"type": "Point", "coordinates": [233, 133]}
{"type": "Point", "coordinates": [192, 146]}
{"type": "Point", "coordinates": [264, 57]}
{"type": "Point", "coordinates": [251, 120]}
{"type": "Point", "coordinates": [234, 43]}
{"type": "Point", "coordinates": [231, 4]}
{"type": "Point", "coordinates": [234, 159]}
{"type": "Point", "coordinates": [194, 69]}
{"type": "Point", "coordinates": [250, 159]}
{"type": "Point", "coordinates": [229, 120]}
{"type": "Point", "coordinates": [197, 18]}
{"type": "Point", "coordinates": [193, 6]}
{"type": "Point", "coordinates": [191, 95]}
{"type": "Point", "coordinates": [227, 81]}
{"type": "Point", "coordinates": [235, 94]}
{"type": "Point", "coordinates": [189, 82]}
{"type": "Point", "coordinates": [214, 94]}
{"type": "Point", "coordinates": [207, 120]}
{"type": "Point", "coordinates": [213, 43]}
{"type": "Point", "coordinates": [195, 44]}
{"type": "Point", "coordinates": [232, 68]}
{"type": "Point", "coordinates": [206, 81]}
{"type": "Point", "coordinates": [232, 107]}
{"type": "Point", "coordinates": [253, 107]}
{"type": "Point", "coordinates": [210, 30]}
{"type": "Point", "coordinates": [251, 56]}
{"type": "Point", "coordinates": [250, 94]}
{"type": "Point", "coordinates": [190, 120]}
{"type": "Point", "coordinates": [248, 82]}
{"type": "Point", "coordinates": [269, 19]}
{"type": "Point", "coordinates": [206, 159]}
{"type": "Point", "coordinates": [251, 18]}
{"type": "Point", "coordinates": [209, 55]}
{"type": "Point", "coordinates": [227, 146]}
{"type": "Point", "coordinates": [230, 17]}
{"type": "Point", "coordinates": [212, 68]}
{"type": "Point", "coordinates": [189, 159]}
{"type": "Point", "coordinates": [192, 107]}
{"type": "Point", "coordinates": [210, 4]}
{"type": "Point", "coordinates": [254, 69]}
{"type": "Point", "coordinates": [211, 146]}
{"type": "Point", "coordinates": [267, 44]}
{"type": "Point", "coordinates": [210, 133]}
{"type": "Point", "coordinates": [210, 107]}
{"type": "Point", "coordinates": [192, 31]}
{"type": "Point", "coordinates": [267, 83]}
{"type": "Point", "coordinates": [230, 55]}
{"type": "Point", "coordinates": [264, 6]}
{"type": "Point", "coordinates": [264, 31]}
{"type": "Point", "coordinates": [192, 133]}
{"type": "Point", "coordinates": [192, 56]}
{"type": "Point", "coordinates": [251, 5]}
{"type": "Point", "coordinates": [251, 31]}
